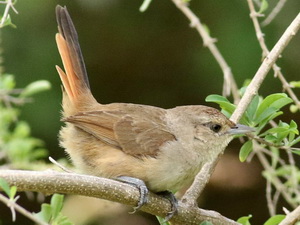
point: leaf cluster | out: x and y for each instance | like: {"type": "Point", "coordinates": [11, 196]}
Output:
{"type": "Point", "coordinates": [260, 112]}
{"type": "Point", "coordinates": [17, 147]}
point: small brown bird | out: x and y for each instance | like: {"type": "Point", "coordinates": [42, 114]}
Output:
{"type": "Point", "coordinates": [143, 145]}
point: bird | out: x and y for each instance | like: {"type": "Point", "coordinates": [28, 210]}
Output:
{"type": "Point", "coordinates": [154, 149]}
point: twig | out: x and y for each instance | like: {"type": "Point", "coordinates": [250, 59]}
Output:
{"type": "Point", "coordinates": [261, 40]}
{"type": "Point", "coordinates": [192, 194]}
{"type": "Point", "coordinates": [71, 183]}
{"type": "Point", "coordinates": [274, 13]}
{"type": "Point", "coordinates": [275, 180]}
{"type": "Point", "coordinates": [270, 203]}
{"type": "Point", "coordinates": [292, 217]}
{"type": "Point", "coordinates": [59, 165]}
{"type": "Point", "coordinates": [265, 67]}
{"type": "Point", "coordinates": [9, 4]}
{"type": "Point", "coordinates": [229, 82]}
{"type": "Point", "coordinates": [21, 210]}
{"type": "Point", "coordinates": [268, 143]}
{"type": "Point", "coordinates": [145, 5]}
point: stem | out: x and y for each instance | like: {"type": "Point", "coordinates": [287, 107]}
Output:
{"type": "Point", "coordinates": [262, 43]}
{"type": "Point", "coordinates": [274, 12]}
{"type": "Point", "coordinates": [21, 210]}
{"type": "Point", "coordinates": [292, 217]}
{"type": "Point", "coordinates": [209, 42]}
{"type": "Point", "coordinates": [265, 67]}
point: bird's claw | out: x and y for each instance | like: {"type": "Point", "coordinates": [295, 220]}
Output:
{"type": "Point", "coordinates": [142, 189]}
{"type": "Point", "coordinates": [174, 204]}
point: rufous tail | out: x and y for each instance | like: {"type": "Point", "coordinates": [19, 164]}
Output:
{"type": "Point", "coordinates": [74, 79]}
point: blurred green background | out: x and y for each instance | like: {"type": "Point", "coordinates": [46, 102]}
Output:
{"type": "Point", "coordinates": [148, 58]}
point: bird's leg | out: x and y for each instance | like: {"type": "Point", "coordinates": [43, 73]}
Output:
{"type": "Point", "coordinates": [142, 189]}
{"type": "Point", "coordinates": [174, 203]}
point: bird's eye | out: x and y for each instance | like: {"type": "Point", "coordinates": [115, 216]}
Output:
{"type": "Point", "coordinates": [215, 127]}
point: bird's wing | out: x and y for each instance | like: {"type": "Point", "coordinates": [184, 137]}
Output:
{"type": "Point", "coordinates": [137, 132]}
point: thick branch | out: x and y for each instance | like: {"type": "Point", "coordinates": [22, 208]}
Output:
{"type": "Point", "coordinates": [70, 183]}
{"type": "Point", "coordinates": [265, 67]}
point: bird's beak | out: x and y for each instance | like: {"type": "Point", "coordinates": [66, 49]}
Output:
{"type": "Point", "coordinates": [240, 129]}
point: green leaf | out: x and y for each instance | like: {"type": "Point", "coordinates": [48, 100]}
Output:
{"type": "Point", "coordinates": [244, 220]}
{"type": "Point", "coordinates": [245, 150]}
{"type": "Point", "coordinates": [294, 108]}
{"type": "Point", "coordinates": [22, 130]}
{"type": "Point", "coordinates": [13, 191]}
{"type": "Point", "coordinates": [296, 151]}
{"type": "Point", "coordinates": [277, 130]}
{"type": "Point", "coordinates": [206, 28]}
{"type": "Point", "coordinates": [274, 220]}
{"type": "Point", "coordinates": [282, 102]}
{"type": "Point", "coordinates": [283, 130]}
{"type": "Point", "coordinates": [276, 101]}
{"type": "Point", "coordinates": [295, 141]}
{"type": "Point", "coordinates": [252, 108]}
{"type": "Point", "coordinates": [270, 138]}
{"type": "Point", "coordinates": [8, 22]}
{"type": "Point", "coordinates": [222, 101]}
{"type": "Point", "coordinates": [7, 82]}
{"type": "Point", "coordinates": [227, 107]}
{"type": "Point", "coordinates": [45, 214]}
{"type": "Point", "coordinates": [264, 122]}
{"type": "Point", "coordinates": [35, 87]}
{"type": "Point", "coordinates": [265, 114]}
{"type": "Point", "coordinates": [56, 204]}
{"type": "Point", "coordinates": [5, 186]}
{"type": "Point", "coordinates": [264, 6]}
{"type": "Point", "coordinates": [295, 84]}
{"type": "Point", "coordinates": [162, 221]}
{"type": "Point", "coordinates": [216, 98]}
{"type": "Point", "coordinates": [63, 220]}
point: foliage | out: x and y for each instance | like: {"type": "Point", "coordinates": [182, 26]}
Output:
{"type": "Point", "coordinates": [17, 147]}
{"type": "Point", "coordinates": [245, 220]}
{"type": "Point", "coordinates": [51, 213]}
{"type": "Point", "coordinates": [259, 114]}
{"type": "Point", "coordinates": [9, 191]}
{"type": "Point", "coordinates": [274, 140]}
{"type": "Point", "coordinates": [162, 221]}
{"type": "Point", "coordinates": [274, 220]}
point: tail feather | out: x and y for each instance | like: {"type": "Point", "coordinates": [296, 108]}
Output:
{"type": "Point", "coordinates": [74, 79]}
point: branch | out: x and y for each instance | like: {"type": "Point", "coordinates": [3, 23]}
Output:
{"type": "Point", "coordinates": [9, 4]}
{"type": "Point", "coordinates": [14, 206]}
{"type": "Point", "coordinates": [265, 50]}
{"type": "Point", "coordinates": [274, 12]}
{"type": "Point", "coordinates": [70, 183]}
{"type": "Point", "coordinates": [292, 217]}
{"type": "Point", "coordinates": [275, 180]}
{"type": "Point", "coordinates": [192, 194]}
{"type": "Point", "coordinates": [229, 82]}
{"type": "Point", "coordinates": [265, 67]}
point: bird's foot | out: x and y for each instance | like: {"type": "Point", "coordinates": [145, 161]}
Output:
{"type": "Point", "coordinates": [142, 189]}
{"type": "Point", "coordinates": [174, 204]}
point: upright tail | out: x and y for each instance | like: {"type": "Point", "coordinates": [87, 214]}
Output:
{"type": "Point", "coordinates": [74, 79]}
